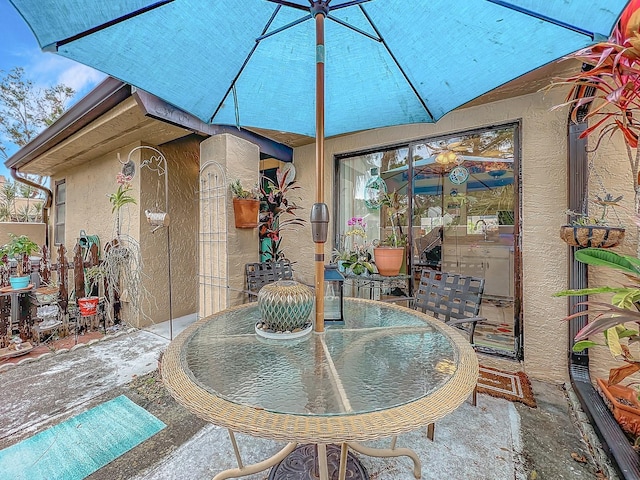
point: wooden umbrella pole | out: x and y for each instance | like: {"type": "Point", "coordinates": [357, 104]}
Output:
{"type": "Point", "coordinates": [319, 251]}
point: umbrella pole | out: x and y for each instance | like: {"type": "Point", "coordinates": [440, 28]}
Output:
{"type": "Point", "coordinates": [319, 250]}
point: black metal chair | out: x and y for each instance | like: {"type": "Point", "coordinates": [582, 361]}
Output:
{"type": "Point", "coordinates": [260, 274]}
{"type": "Point", "coordinates": [454, 299]}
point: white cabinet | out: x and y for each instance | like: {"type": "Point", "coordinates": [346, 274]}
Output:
{"type": "Point", "coordinates": [492, 262]}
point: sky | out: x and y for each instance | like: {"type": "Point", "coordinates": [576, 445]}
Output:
{"type": "Point", "coordinates": [19, 48]}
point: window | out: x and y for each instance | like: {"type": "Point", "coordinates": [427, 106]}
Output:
{"type": "Point", "coordinates": [60, 211]}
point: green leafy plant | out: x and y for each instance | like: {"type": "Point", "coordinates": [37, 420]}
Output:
{"type": "Point", "coordinates": [18, 248]}
{"type": "Point", "coordinates": [395, 205]}
{"type": "Point", "coordinates": [354, 251]}
{"type": "Point", "coordinates": [611, 318]}
{"type": "Point", "coordinates": [93, 276]}
{"type": "Point", "coordinates": [605, 203]}
{"type": "Point", "coordinates": [239, 191]}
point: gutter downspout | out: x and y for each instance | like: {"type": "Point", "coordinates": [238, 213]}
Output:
{"type": "Point", "coordinates": [46, 206]}
{"type": "Point", "coordinates": [614, 441]}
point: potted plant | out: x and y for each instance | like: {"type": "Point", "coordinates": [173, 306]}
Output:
{"type": "Point", "coordinates": [611, 319]}
{"type": "Point", "coordinates": [390, 253]}
{"type": "Point", "coordinates": [246, 205]}
{"type": "Point", "coordinates": [88, 304]}
{"type": "Point", "coordinates": [20, 248]}
{"type": "Point", "coordinates": [353, 255]}
{"type": "Point", "coordinates": [586, 231]}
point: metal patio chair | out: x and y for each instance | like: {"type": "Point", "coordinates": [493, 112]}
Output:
{"type": "Point", "coordinates": [260, 274]}
{"type": "Point", "coordinates": [455, 299]}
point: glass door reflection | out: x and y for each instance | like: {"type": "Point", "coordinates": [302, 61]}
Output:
{"type": "Point", "coordinates": [463, 221]}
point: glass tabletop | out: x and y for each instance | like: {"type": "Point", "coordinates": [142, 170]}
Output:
{"type": "Point", "coordinates": [382, 357]}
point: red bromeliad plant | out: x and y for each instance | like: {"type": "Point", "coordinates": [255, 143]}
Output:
{"type": "Point", "coordinates": [609, 84]}
{"type": "Point", "coordinates": [280, 213]}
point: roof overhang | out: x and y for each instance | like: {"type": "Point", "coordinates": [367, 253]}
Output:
{"type": "Point", "coordinates": [112, 116]}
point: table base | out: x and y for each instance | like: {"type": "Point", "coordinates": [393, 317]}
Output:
{"type": "Point", "coordinates": [302, 463]}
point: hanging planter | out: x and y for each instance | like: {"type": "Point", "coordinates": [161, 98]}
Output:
{"type": "Point", "coordinates": [246, 205]}
{"type": "Point", "coordinates": [245, 211]}
{"type": "Point", "coordinates": [599, 236]}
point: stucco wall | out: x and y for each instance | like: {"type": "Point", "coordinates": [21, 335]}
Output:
{"type": "Point", "coordinates": [182, 165]}
{"type": "Point", "coordinates": [35, 231]}
{"type": "Point", "coordinates": [544, 256]}
{"type": "Point", "coordinates": [88, 208]}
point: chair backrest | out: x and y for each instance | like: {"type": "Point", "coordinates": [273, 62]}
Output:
{"type": "Point", "coordinates": [260, 274]}
{"type": "Point", "coordinates": [449, 296]}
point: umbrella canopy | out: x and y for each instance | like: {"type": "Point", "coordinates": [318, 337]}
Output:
{"type": "Point", "coordinates": [263, 63]}
{"type": "Point", "coordinates": [249, 63]}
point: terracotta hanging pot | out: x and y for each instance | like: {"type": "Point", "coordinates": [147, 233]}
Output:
{"type": "Point", "coordinates": [245, 211]}
{"type": "Point", "coordinates": [591, 235]}
{"type": "Point", "coordinates": [388, 260]}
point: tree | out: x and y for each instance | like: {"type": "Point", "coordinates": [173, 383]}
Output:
{"type": "Point", "coordinates": [25, 110]}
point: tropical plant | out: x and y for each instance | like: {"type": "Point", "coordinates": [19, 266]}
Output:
{"type": "Point", "coordinates": [604, 203]}
{"type": "Point", "coordinates": [611, 318]}
{"type": "Point", "coordinates": [606, 92]}
{"type": "Point", "coordinates": [121, 196]}
{"type": "Point", "coordinates": [395, 205]}
{"type": "Point", "coordinates": [20, 248]}
{"type": "Point", "coordinates": [239, 191]}
{"type": "Point", "coordinates": [354, 252]}
{"type": "Point", "coordinates": [279, 210]}
{"type": "Point", "coordinates": [93, 276]}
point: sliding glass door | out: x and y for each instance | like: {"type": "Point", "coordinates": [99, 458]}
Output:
{"type": "Point", "coordinates": [460, 199]}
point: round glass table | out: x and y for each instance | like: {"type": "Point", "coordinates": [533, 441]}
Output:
{"type": "Point", "coordinates": [387, 370]}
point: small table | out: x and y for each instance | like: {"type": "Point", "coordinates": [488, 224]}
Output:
{"type": "Point", "coordinates": [388, 370]}
{"type": "Point", "coordinates": [379, 283]}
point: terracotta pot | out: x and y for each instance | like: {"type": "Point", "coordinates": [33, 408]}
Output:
{"type": "Point", "coordinates": [245, 211]}
{"type": "Point", "coordinates": [388, 260]}
{"type": "Point", "coordinates": [623, 403]}
{"type": "Point", "coordinates": [592, 235]}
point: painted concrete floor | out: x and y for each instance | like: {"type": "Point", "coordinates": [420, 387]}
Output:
{"type": "Point", "coordinates": [496, 440]}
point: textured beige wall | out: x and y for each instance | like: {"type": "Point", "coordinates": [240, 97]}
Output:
{"type": "Point", "coordinates": [88, 208]}
{"type": "Point", "coordinates": [240, 160]}
{"type": "Point", "coordinates": [544, 172]}
{"type": "Point", "coordinates": [182, 158]}
{"type": "Point", "coordinates": [35, 231]}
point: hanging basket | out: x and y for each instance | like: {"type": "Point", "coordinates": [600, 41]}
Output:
{"type": "Point", "coordinates": [245, 211]}
{"type": "Point", "coordinates": [597, 236]}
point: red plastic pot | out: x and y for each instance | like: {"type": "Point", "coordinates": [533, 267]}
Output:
{"type": "Point", "coordinates": [88, 306]}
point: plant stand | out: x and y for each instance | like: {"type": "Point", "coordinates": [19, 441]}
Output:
{"type": "Point", "coordinates": [591, 236]}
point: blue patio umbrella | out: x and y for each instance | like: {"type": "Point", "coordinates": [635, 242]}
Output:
{"type": "Point", "coordinates": [263, 63]}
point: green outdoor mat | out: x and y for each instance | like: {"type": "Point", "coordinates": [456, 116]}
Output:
{"type": "Point", "coordinates": [81, 445]}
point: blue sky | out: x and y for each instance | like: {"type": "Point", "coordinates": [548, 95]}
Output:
{"type": "Point", "coordinates": [19, 48]}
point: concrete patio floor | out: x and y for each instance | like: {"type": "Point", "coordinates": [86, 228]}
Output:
{"type": "Point", "coordinates": [495, 440]}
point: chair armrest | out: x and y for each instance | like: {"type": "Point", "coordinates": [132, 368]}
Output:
{"type": "Point", "coordinates": [459, 321]}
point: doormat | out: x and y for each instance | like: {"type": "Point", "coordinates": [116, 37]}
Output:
{"type": "Point", "coordinates": [79, 446]}
{"type": "Point", "coordinates": [511, 386]}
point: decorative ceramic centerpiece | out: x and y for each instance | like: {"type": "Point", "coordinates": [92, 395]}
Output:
{"type": "Point", "coordinates": [285, 309]}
